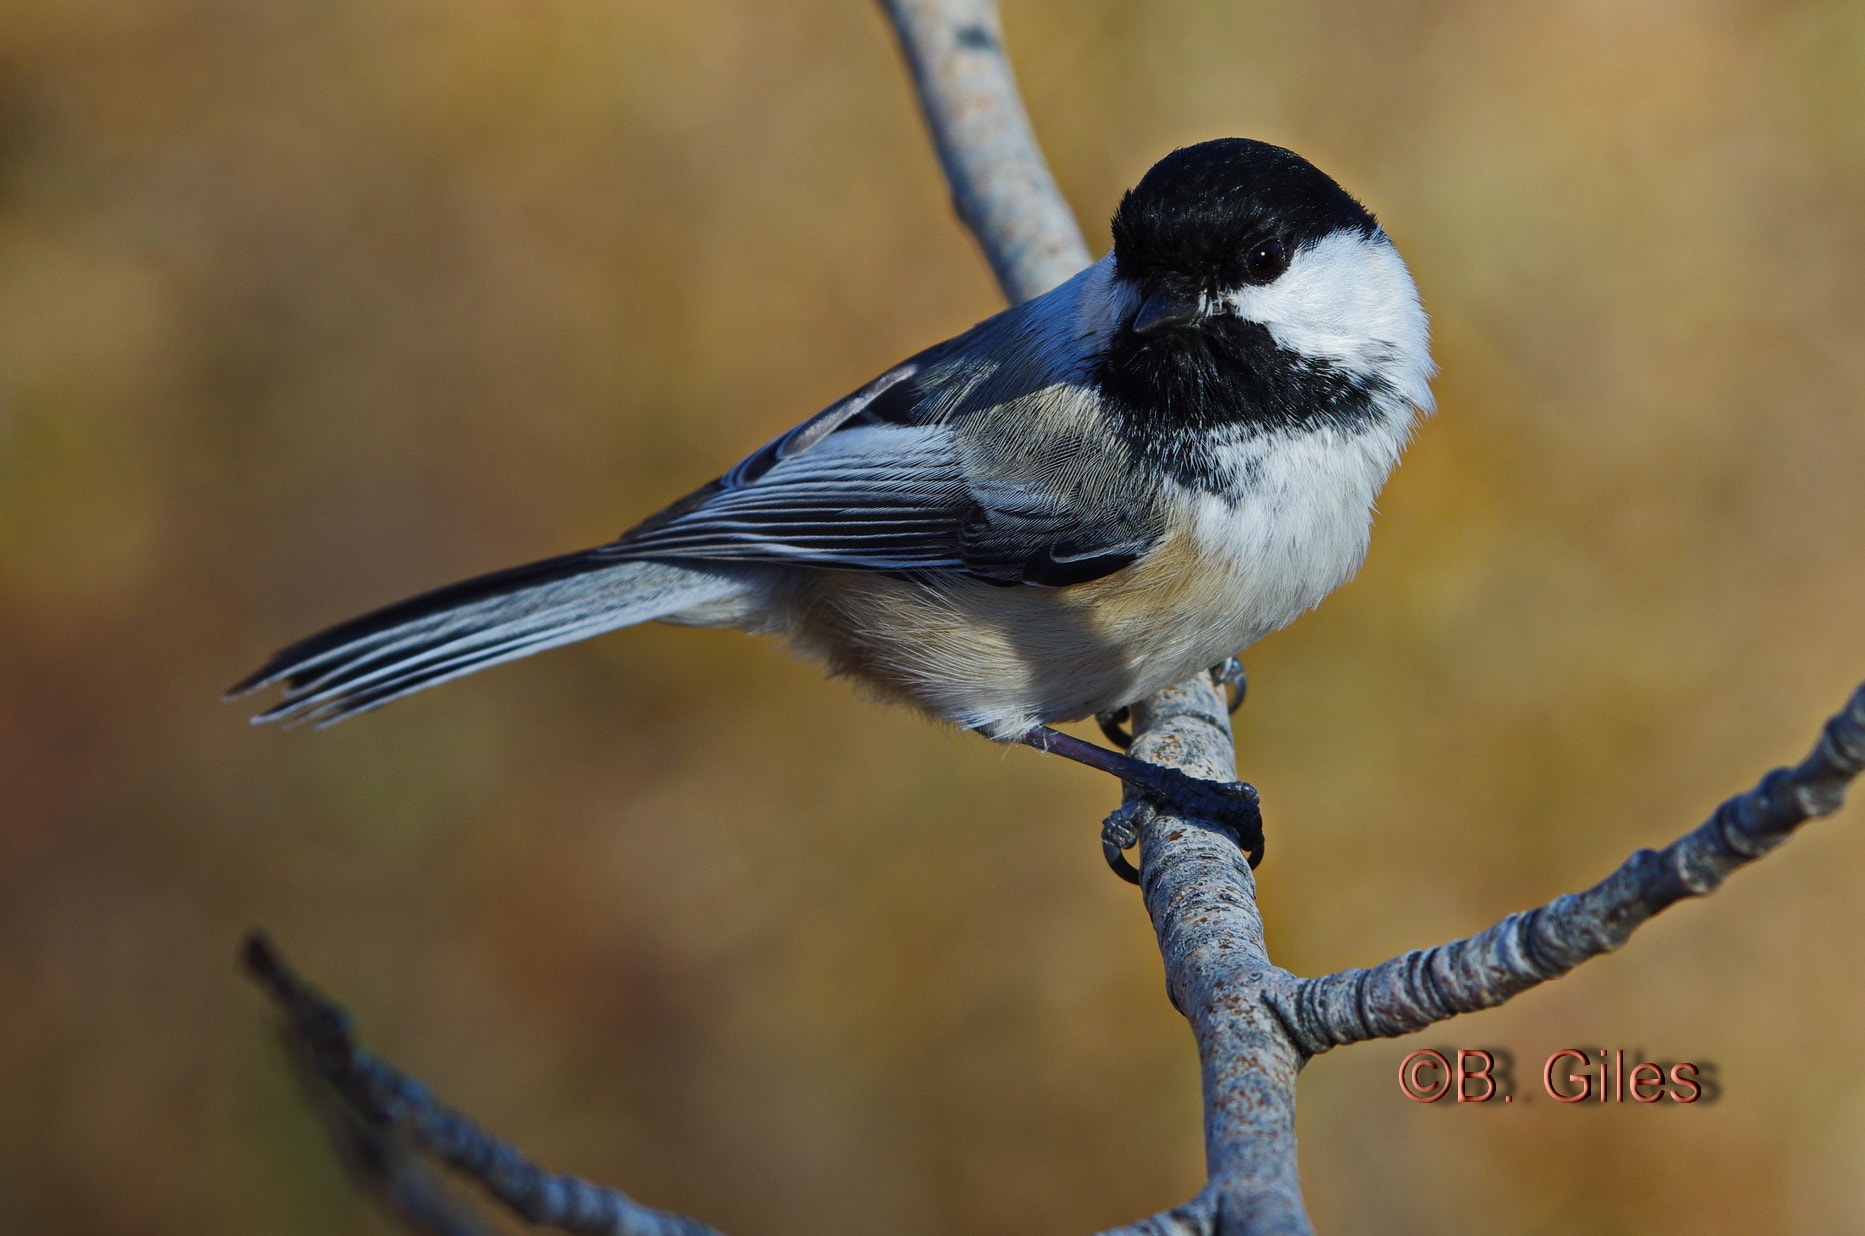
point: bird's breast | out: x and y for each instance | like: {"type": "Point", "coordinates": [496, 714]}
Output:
{"type": "Point", "coordinates": [1230, 569]}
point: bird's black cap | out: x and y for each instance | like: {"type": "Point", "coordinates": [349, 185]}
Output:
{"type": "Point", "coordinates": [1196, 212]}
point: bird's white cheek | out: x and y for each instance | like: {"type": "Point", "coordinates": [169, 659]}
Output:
{"type": "Point", "coordinates": [1348, 300]}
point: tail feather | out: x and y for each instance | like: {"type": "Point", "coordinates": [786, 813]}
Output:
{"type": "Point", "coordinates": [368, 661]}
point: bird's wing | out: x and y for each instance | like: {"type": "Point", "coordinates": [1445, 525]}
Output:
{"type": "Point", "coordinates": [890, 479]}
{"type": "Point", "coordinates": [877, 498]}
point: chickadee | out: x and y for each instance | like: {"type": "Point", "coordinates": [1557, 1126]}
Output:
{"type": "Point", "coordinates": [1075, 503]}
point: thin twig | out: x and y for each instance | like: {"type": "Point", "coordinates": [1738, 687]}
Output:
{"type": "Point", "coordinates": [1425, 986]}
{"type": "Point", "coordinates": [385, 1104]}
{"type": "Point", "coordinates": [388, 1169]}
{"type": "Point", "coordinates": [1001, 186]}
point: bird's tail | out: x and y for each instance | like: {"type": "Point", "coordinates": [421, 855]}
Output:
{"type": "Point", "coordinates": [368, 661]}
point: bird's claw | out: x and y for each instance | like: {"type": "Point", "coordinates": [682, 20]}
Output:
{"type": "Point", "coordinates": [1232, 805]}
{"type": "Point", "coordinates": [1120, 832]}
{"type": "Point", "coordinates": [1229, 673]}
{"type": "Point", "coordinates": [1112, 722]}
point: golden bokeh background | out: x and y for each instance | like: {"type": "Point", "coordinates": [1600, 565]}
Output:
{"type": "Point", "coordinates": [305, 306]}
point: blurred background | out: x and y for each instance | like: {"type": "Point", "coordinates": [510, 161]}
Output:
{"type": "Point", "coordinates": [305, 306]}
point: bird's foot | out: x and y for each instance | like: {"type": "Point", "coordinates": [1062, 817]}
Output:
{"type": "Point", "coordinates": [1229, 673]}
{"type": "Point", "coordinates": [1120, 832]}
{"type": "Point", "coordinates": [1231, 805]}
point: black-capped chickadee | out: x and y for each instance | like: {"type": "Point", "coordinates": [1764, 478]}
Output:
{"type": "Point", "coordinates": [1075, 503]}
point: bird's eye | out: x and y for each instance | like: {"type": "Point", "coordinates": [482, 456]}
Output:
{"type": "Point", "coordinates": [1267, 260]}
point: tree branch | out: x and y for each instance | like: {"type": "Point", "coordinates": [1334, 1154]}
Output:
{"type": "Point", "coordinates": [1426, 986]}
{"type": "Point", "coordinates": [1201, 894]}
{"type": "Point", "coordinates": [379, 1106]}
{"type": "Point", "coordinates": [1001, 186]}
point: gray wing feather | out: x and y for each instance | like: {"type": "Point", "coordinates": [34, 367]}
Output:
{"type": "Point", "coordinates": [952, 461]}
{"type": "Point", "coordinates": [877, 497]}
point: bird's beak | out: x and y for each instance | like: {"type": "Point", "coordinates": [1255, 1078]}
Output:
{"type": "Point", "coordinates": [1165, 311]}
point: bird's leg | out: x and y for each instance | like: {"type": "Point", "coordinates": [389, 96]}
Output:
{"type": "Point", "coordinates": [1231, 805]}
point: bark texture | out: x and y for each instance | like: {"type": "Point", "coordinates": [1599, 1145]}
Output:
{"type": "Point", "coordinates": [1000, 182]}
